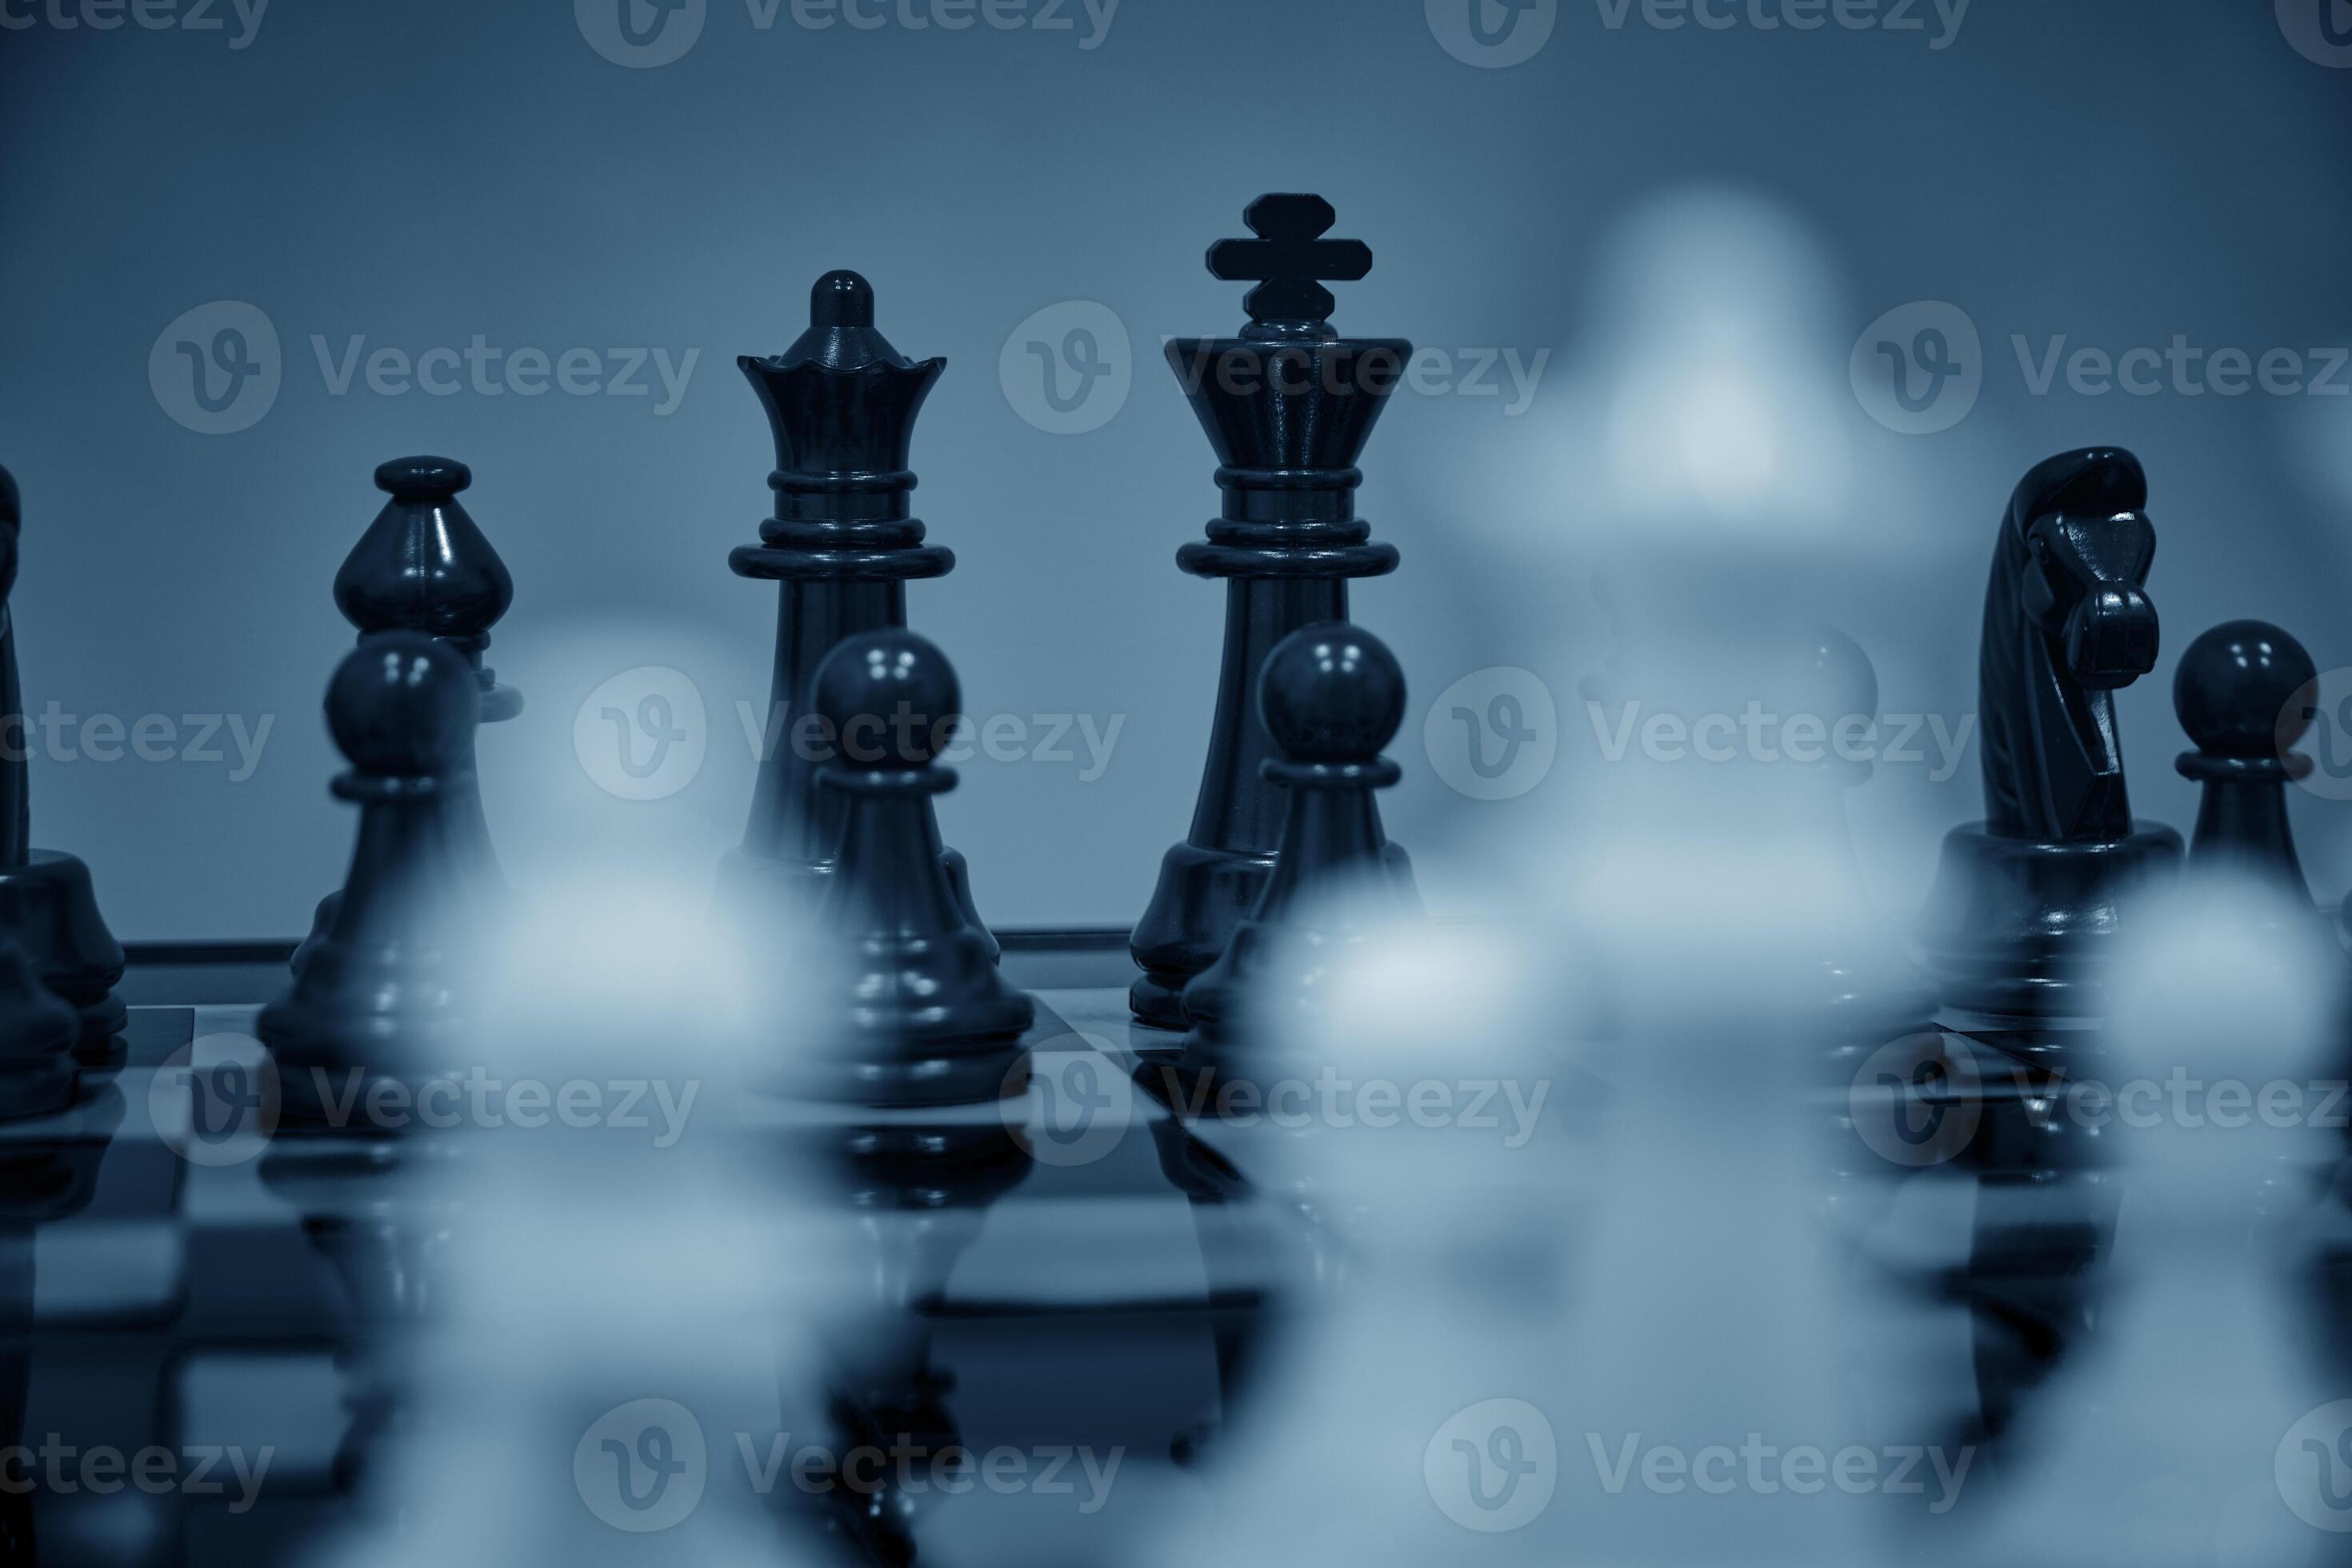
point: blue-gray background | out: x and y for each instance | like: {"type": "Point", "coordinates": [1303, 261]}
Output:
{"type": "Point", "coordinates": [414, 174]}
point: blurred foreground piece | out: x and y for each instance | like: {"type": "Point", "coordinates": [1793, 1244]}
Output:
{"type": "Point", "coordinates": [1288, 406]}
{"type": "Point", "coordinates": [47, 905]}
{"type": "Point", "coordinates": [2026, 903]}
{"type": "Point", "coordinates": [375, 1003]}
{"type": "Point", "coordinates": [2195, 1427]}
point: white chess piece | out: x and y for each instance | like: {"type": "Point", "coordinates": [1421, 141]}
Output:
{"type": "Point", "coordinates": [2177, 1438]}
{"type": "Point", "coordinates": [618, 1351]}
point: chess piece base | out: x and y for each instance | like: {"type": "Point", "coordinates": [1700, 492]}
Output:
{"type": "Point", "coordinates": [48, 906]}
{"type": "Point", "coordinates": [1203, 896]}
{"type": "Point", "coordinates": [2021, 928]}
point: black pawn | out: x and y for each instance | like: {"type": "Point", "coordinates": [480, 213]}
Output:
{"type": "Point", "coordinates": [926, 1018]}
{"type": "Point", "coordinates": [46, 904]}
{"type": "Point", "coordinates": [424, 565]}
{"type": "Point", "coordinates": [375, 1004]}
{"type": "Point", "coordinates": [2235, 693]}
{"type": "Point", "coordinates": [1331, 697]}
{"type": "Point", "coordinates": [37, 1031]}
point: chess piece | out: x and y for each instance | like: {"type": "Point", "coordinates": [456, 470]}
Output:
{"type": "Point", "coordinates": [925, 1018]}
{"type": "Point", "coordinates": [842, 547]}
{"type": "Point", "coordinates": [424, 566]}
{"type": "Point", "coordinates": [37, 1031]}
{"type": "Point", "coordinates": [1331, 698]}
{"type": "Point", "coordinates": [46, 904]}
{"type": "Point", "coordinates": [2026, 901]}
{"type": "Point", "coordinates": [1288, 406]}
{"type": "Point", "coordinates": [375, 1003]}
{"type": "Point", "coordinates": [2234, 694]}
{"type": "Point", "coordinates": [2186, 1432]}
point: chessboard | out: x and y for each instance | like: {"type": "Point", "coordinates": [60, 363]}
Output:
{"type": "Point", "coordinates": [1115, 1286]}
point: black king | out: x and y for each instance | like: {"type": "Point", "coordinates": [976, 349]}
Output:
{"type": "Point", "coordinates": [843, 547]}
{"type": "Point", "coordinates": [1288, 406]}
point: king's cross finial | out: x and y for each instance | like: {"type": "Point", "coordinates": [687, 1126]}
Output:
{"type": "Point", "coordinates": [1290, 261]}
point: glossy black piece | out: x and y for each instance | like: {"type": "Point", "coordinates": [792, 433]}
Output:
{"type": "Point", "coordinates": [918, 1014]}
{"type": "Point", "coordinates": [377, 1001]}
{"type": "Point", "coordinates": [424, 565]}
{"type": "Point", "coordinates": [1331, 697]}
{"type": "Point", "coordinates": [2235, 693]}
{"type": "Point", "coordinates": [1288, 406]}
{"type": "Point", "coordinates": [2025, 902]}
{"type": "Point", "coordinates": [37, 1031]}
{"type": "Point", "coordinates": [2066, 623]}
{"type": "Point", "coordinates": [47, 906]}
{"type": "Point", "coordinates": [842, 547]}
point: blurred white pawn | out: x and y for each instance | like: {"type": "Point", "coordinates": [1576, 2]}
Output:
{"type": "Point", "coordinates": [2178, 1438]}
{"type": "Point", "coordinates": [635, 1277]}
{"type": "Point", "coordinates": [1408, 1418]}
{"type": "Point", "coordinates": [1711, 1341]}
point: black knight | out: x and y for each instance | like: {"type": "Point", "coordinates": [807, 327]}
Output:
{"type": "Point", "coordinates": [2026, 900]}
